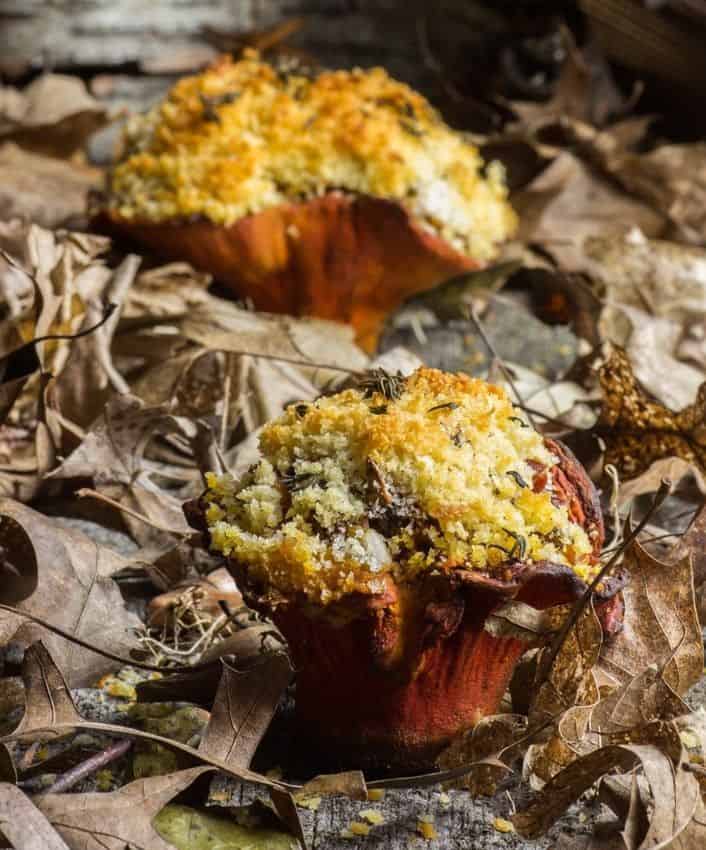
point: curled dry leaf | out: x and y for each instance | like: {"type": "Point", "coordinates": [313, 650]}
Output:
{"type": "Point", "coordinates": [639, 431]}
{"type": "Point", "coordinates": [657, 750]}
{"type": "Point", "coordinates": [62, 577]}
{"type": "Point", "coordinates": [203, 597]}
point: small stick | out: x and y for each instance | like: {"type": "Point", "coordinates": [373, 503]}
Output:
{"type": "Point", "coordinates": [91, 765]}
{"type": "Point", "coordinates": [227, 389]}
{"type": "Point", "coordinates": [503, 368]}
{"type": "Point", "coordinates": [94, 494]}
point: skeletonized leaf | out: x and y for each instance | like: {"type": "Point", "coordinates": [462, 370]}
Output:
{"type": "Point", "coordinates": [244, 706]}
{"type": "Point", "coordinates": [23, 824]}
{"type": "Point", "coordinates": [62, 577]}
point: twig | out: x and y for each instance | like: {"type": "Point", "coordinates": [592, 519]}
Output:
{"type": "Point", "coordinates": [473, 315]}
{"type": "Point", "coordinates": [91, 765]}
{"type": "Point", "coordinates": [546, 663]}
{"type": "Point", "coordinates": [612, 473]}
{"type": "Point", "coordinates": [94, 494]}
{"type": "Point", "coordinates": [227, 389]}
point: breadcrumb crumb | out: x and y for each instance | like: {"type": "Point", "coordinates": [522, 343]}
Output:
{"type": "Point", "coordinates": [345, 494]}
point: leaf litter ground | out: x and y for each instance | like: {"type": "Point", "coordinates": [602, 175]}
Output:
{"type": "Point", "coordinates": [177, 381]}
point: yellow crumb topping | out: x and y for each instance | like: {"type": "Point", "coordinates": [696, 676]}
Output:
{"type": "Point", "coordinates": [431, 472]}
{"type": "Point", "coordinates": [244, 136]}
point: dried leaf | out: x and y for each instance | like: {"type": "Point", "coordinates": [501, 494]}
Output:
{"type": "Point", "coordinates": [47, 191]}
{"type": "Point", "coordinates": [115, 820]}
{"type": "Point", "coordinates": [662, 278]}
{"type": "Point", "coordinates": [524, 622]}
{"type": "Point", "coordinates": [225, 327]}
{"type": "Point", "coordinates": [23, 824]}
{"type": "Point", "coordinates": [8, 773]}
{"type": "Point", "coordinates": [660, 626]}
{"type": "Point", "coordinates": [567, 697]}
{"type": "Point", "coordinates": [490, 737]}
{"type": "Point", "coordinates": [638, 431]}
{"type": "Point", "coordinates": [287, 812]}
{"type": "Point", "coordinates": [652, 345]}
{"type": "Point", "coordinates": [114, 454]}
{"type": "Point", "coordinates": [62, 577]}
{"type": "Point", "coordinates": [350, 783]}
{"type": "Point", "coordinates": [692, 545]}
{"type": "Point", "coordinates": [167, 292]}
{"type": "Point", "coordinates": [657, 750]}
{"type": "Point", "coordinates": [672, 178]}
{"type": "Point", "coordinates": [47, 698]}
{"type": "Point", "coordinates": [673, 468]}
{"type": "Point", "coordinates": [567, 202]}
{"type": "Point", "coordinates": [244, 706]}
{"type": "Point", "coordinates": [89, 374]}
{"type": "Point", "coordinates": [55, 114]}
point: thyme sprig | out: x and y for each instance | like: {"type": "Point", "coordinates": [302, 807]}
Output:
{"type": "Point", "coordinates": [390, 386]}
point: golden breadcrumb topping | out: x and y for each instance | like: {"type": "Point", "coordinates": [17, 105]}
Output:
{"type": "Point", "coordinates": [430, 472]}
{"type": "Point", "coordinates": [244, 136]}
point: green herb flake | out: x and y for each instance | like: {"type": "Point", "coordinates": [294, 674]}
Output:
{"type": "Point", "coordinates": [388, 385]}
{"type": "Point", "coordinates": [447, 405]}
{"type": "Point", "coordinates": [519, 480]}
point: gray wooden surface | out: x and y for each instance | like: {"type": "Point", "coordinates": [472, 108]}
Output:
{"type": "Point", "coordinates": [162, 34]}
